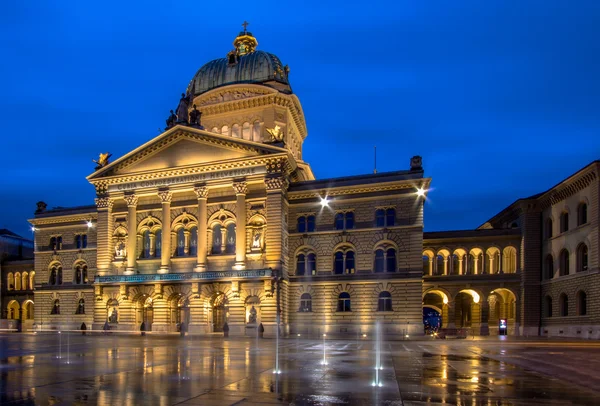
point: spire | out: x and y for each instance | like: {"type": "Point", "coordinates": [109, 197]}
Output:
{"type": "Point", "coordinates": [245, 42]}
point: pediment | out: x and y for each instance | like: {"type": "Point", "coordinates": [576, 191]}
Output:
{"type": "Point", "coordinates": [183, 148]}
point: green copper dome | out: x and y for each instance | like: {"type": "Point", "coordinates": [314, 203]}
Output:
{"type": "Point", "coordinates": [242, 65]}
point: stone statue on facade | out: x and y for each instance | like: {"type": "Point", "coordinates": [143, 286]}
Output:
{"type": "Point", "coordinates": [41, 207]}
{"type": "Point", "coordinates": [120, 249]}
{"type": "Point", "coordinates": [276, 133]}
{"type": "Point", "coordinates": [256, 240]}
{"type": "Point", "coordinates": [195, 116]}
{"type": "Point", "coordinates": [171, 120]}
{"type": "Point", "coordinates": [182, 109]}
{"type": "Point", "coordinates": [113, 316]}
{"type": "Point", "coordinates": [252, 316]}
{"type": "Point", "coordinates": [102, 160]}
{"type": "Point", "coordinates": [416, 163]}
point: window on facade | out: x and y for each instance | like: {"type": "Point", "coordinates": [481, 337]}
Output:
{"type": "Point", "coordinates": [53, 243]}
{"type": "Point", "coordinates": [310, 224]}
{"type": "Point", "coordinates": [564, 222]}
{"type": "Point", "coordinates": [564, 263]}
{"type": "Point", "coordinates": [300, 264]}
{"type": "Point", "coordinates": [25, 281]}
{"type": "Point", "coordinates": [55, 275]}
{"type": "Point", "coordinates": [312, 264]}
{"type": "Point", "coordinates": [146, 244]}
{"type": "Point", "coordinates": [217, 236]}
{"type": "Point", "coordinates": [301, 224]}
{"type": "Point", "coordinates": [349, 220]}
{"type": "Point", "coordinates": [193, 241]}
{"type": "Point", "coordinates": [344, 302]}
{"type": "Point", "coordinates": [350, 262]}
{"type": "Point", "coordinates": [17, 281]}
{"type": "Point", "coordinates": [157, 243]}
{"type": "Point", "coordinates": [339, 221]}
{"type": "Point", "coordinates": [390, 260]}
{"type": "Point", "coordinates": [384, 303]}
{"type": "Point", "coordinates": [81, 273]}
{"type": "Point", "coordinates": [390, 217]}
{"type": "Point", "coordinates": [59, 243]}
{"type": "Point", "coordinates": [84, 241]}
{"type": "Point", "coordinates": [379, 261]}
{"type": "Point", "coordinates": [55, 307]}
{"type": "Point", "coordinates": [80, 307]}
{"type": "Point", "coordinates": [180, 251]}
{"type": "Point", "coordinates": [10, 281]}
{"type": "Point", "coordinates": [380, 218]}
{"type": "Point", "coordinates": [305, 303]}
{"type": "Point", "coordinates": [549, 267]}
{"type": "Point", "coordinates": [581, 214]}
{"type": "Point", "coordinates": [548, 228]}
{"type": "Point", "coordinates": [78, 241]}
{"type": "Point", "coordinates": [548, 306]}
{"type": "Point", "coordinates": [581, 303]}
{"type": "Point", "coordinates": [230, 245]}
{"type": "Point", "coordinates": [339, 263]}
{"type": "Point", "coordinates": [564, 305]}
{"type": "Point", "coordinates": [582, 258]}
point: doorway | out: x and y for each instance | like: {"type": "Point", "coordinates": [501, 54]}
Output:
{"type": "Point", "coordinates": [220, 308]}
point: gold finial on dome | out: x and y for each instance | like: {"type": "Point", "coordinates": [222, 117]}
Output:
{"type": "Point", "coordinates": [245, 42]}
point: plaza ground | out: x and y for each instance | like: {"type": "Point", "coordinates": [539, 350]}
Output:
{"type": "Point", "coordinates": [52, 369]}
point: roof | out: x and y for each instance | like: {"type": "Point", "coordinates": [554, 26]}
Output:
{"type": "Point", "coordinates": [258, 67]}
{"type": "Point", "coordinates": [58, 211]}
{"type": "Point", "coordinates": [356, 180]}
{"type": "Point", "coordinates": [7, 232]}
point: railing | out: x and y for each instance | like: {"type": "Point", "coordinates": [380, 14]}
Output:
{"type": "Point", "coordinates": [170, 277]}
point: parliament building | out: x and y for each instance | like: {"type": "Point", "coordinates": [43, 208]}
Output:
{"type": "Point", "coordinates": [219, 220]}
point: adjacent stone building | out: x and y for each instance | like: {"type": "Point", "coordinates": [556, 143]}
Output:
{"type": "Point", "coordinates": [219, 220]}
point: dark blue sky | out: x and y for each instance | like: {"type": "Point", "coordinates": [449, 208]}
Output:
{"type": "Point", "coordinates": [501, 98]}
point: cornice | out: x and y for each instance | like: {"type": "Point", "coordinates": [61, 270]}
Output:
{"type": "Point", "coordinates": [569, 188]}
{"type": "Point", "coordinates": [64, 219]}
{"type": "Point", "coordinates": [346, 190]}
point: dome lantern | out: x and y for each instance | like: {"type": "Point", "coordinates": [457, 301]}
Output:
{"type": "Point", "coordinates": [245, 42]}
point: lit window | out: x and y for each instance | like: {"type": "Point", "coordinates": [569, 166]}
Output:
{"type": "Point", "coordinates": [305, 303]}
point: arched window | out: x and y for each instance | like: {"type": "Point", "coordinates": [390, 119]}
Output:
{"type": "Point", "coordinates": [256, 131]}
{"type": "Point", "coordinates": [80, 307]}
{"type": "Point", "coordinates": [390, 260]}
{"type": "Point", "coordinates": [581, 214]}
{"type": "Point", "coordinates": [380, 218]}
{"type": "Point", "coordinates": [236, 131]}
{"type": "Point", "coordinates": [305, 303]}
{"type": "Point", "coordinates": [384, 303]}
{"type": "Point", "coordinates": [310, 224]}
{"type": "Point", "coordinates": [78, 273]}
{"type": "Point", "coordinates": [581, 303]}
{"type": "Point", "coordinates": [247, 131]}
{"type": "Point", "coordinates": [300, 264]}
{"type": "Point", "coordinates": [78, 241]}
{"type": "Point", "coordinates": [180, 242]}
{"type": "Point", "coordinates": [17, 281]}
{"type": "Point", "coordinates": [548, 228]}
{"type": "Point", "coordinates": [379, 261]}
{"type": "Point", "coordinates": [230, 246]}
{"type": "Point", "coordinates": [548, 306]}
{"type": "Point", "coordinates": [55, 307]}
{"type": "Point", "coordinates": [81, 273]}
{"type": "Point", "coordinates": [350, 262]}
{"type": "Point", "coordinates": [564, 305]}
{"type": "Point", "coordinates": [55, 275]}
{"type": "Point", "coordinates": [217, 236]}
{"type": "Point", "coordinates": [390, 217]}
{"type": "Point", "coordinates": [312, 264]}
{"type": "Point", "coordinates": [157, 243]}
{"type": "Point", "coordinates": [582, 258]}
{"type": "Point", "coordinates": [564, 263]}
{"type": "Point", "coordinates": [549, 267]}
{"type": "Point", "coordinates": [344, 302]}
{"type": "Point", "coordinates": [425, 265]}
{"type": "Point", "coordinates": [215, 130]}
{"type": "Point", "coordinates": [510, 260]}
{"type": "Point", "coordinates": [339, 221]}
{"type": "Point", "coordinates": [146, 244]}
{"type": "Point", "coordinates": [339, 263]}
{"type": "Point", "coordinates": [301, 224]}
{"type": "Point", "coordinates": [59, 275]}
{"type": "Point", "coordinates": [194, 241]}
{"type": "Point", "coordinates": [225, 130]}
{"type": "Point", "coordinates": [25, 281]}
{"type": "Point", "coordinates": [52, 278]}
{"type": "Point", "coordinates": [31, 280]}
{"type": "Point", "coordinates": [564, 222]}
{"type": "Point", "coordinates": [10, 281]}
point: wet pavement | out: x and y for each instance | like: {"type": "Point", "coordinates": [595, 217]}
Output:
{"type": "Point", "coordinates": [70, 369]}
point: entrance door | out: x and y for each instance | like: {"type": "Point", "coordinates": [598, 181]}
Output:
{"type": "Point", "coordinates": [219, 318]}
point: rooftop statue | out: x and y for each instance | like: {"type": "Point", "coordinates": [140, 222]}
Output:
{"type": "Point", "coordinates": [182, 109]}
{"type": "Point", "coordinates": [171, 120]}
{"type": "Point", "coordinates": [195, 116]}
{"type": "Point", "coordinates": [102, 160]}
{"type": "Point", "coordinates": [276, 133]}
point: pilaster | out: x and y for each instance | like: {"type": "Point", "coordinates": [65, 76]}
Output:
{"type": "Point", "coordinates": [131, 201]}
{"type": "Point", "coordinates": [241, 189]}
{"type": "Point", "coordinates": [104, 249]}
{"type": "Point", "coordinates": [165, 253]}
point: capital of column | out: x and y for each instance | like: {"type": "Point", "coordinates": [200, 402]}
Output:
{"type": "Point", "coordinates": [104, 202]}
{"type": "Point", "coordinates": [278, 183]}
{"type": "Point", "coordinates": [131, 200]}
{"type": "Point", "coordinates": [165, 196]}
{"type": "Point", "coordinates": [201, 192]}
{"type": "Point", "coordinates": [241, 188]}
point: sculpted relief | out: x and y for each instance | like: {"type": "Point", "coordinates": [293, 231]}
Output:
{"type": "Point", "coordinates": [229, 96]}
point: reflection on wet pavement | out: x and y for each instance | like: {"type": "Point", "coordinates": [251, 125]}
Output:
{"type": "Point", "coordinates": [128, 370]}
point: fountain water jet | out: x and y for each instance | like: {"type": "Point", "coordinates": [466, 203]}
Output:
{"type": "Point", "coordinates": [378, 367]}
{"type": "Point", "coordinates": [324, 362]}
{"type": "Point", "coordinates": [277, 370]}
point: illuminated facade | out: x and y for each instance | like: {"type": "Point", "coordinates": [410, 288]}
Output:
{"type": "Point", "coordinates": [223, 221]}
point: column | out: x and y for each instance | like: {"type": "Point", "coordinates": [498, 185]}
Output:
{"type": "Point", "coordinates": [430, 266]}
{"type": "Point", "coordinates": [446, 271]}
{"type": "Point", "coordinates": [241, 188]}
{"type": "Point", "coordinates": [460, 265]}
{"type": "Point", "coordinates": [105, 250]}
{"type": "Point", "coordinates": [131, 201]}
{"type": "Point", "coordinates": [165, 249]}
{"type": "Point", "coordinates": [484, 308]}
{"type": "Point", "coordinates": [202, 194]}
